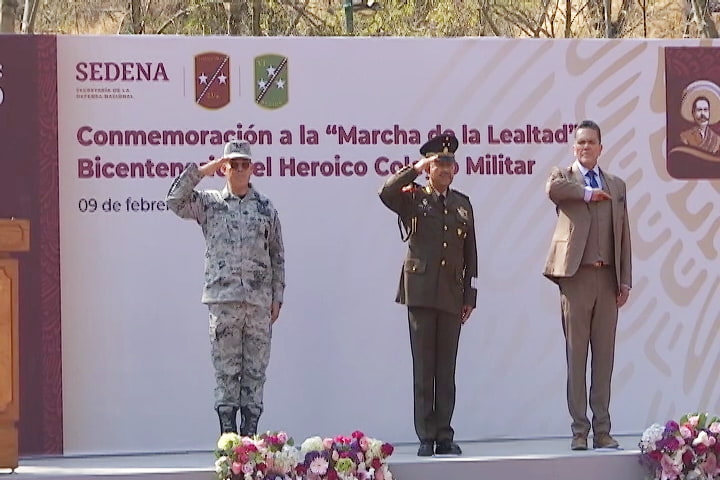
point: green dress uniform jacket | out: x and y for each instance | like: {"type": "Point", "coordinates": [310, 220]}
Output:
{"type": "Point", "coordinates": [440, 269]}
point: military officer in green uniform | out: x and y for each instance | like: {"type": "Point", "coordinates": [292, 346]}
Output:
{"type": "Point", "coordinates": [437, 283]}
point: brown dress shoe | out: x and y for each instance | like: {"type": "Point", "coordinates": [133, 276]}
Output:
{"type": "Point", "coordinates": [579, 442]}
{"type": "Point", "coordinates": [604, 440]}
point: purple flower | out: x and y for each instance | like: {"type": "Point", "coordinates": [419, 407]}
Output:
{"type": "Point", "coordinates": [310, 456]}
{"type": "Point", "coordinates": [673, 444]}
{"type": "Point", "coordinates": [671, 427]}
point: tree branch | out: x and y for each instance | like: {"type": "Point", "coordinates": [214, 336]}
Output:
{"type": "Point", "coordinates": [299, 15]}
{"type": "Point", "coordinates": [491, 24]}
{"type": "Point", "coordinates": [28, 20]}
{"type": "Point", "coordinates": [568, 18]}
{"type": "Point", "coordinates": [175, 16]}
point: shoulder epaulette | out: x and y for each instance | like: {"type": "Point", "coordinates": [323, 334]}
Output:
{"type": "Point", "coordinates": [462, 194]}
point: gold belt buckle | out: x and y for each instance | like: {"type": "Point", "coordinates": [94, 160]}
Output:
{"type": "Point", "coordinates": [598, 264]}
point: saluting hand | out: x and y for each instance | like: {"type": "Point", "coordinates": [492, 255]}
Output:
{"type": "Point", "coordinates": [465, 314]}
{"type": "Point", "coordinates": [211, 167]}
{"type": "Point", "coordinates": [423, 165]}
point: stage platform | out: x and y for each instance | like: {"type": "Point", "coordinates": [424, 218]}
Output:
{"type": "Point", "coordinates": [543, 459]}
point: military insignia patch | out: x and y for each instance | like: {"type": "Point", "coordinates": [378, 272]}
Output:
{"type": "Point", "coordinates": [463, 213]}
{"type": "Point", "coordinates": [271, 81]}
{"type": "Point", "coordinates": [212, 80]}
{"type": "Point", "coordinates": [424, 206]}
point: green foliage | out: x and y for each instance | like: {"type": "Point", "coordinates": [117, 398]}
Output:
{"type": "Point", "coordinates": [204, 19]}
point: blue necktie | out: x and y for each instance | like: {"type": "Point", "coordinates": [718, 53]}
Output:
{"type": "Point", "coordinates": [591, 177]}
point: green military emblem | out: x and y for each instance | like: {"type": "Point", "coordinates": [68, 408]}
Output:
{"type": "Point", "coordinates": [271, 81]}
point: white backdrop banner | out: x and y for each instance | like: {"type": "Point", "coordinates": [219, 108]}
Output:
{"type": "Point", "coordinates": [329, 119]}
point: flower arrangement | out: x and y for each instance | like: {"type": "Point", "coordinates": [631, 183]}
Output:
{"type": "Point", "coordinates": [356, 457]}
{"type": "Point", "coordinates": [270, 456]}
{"type": "Point", "coordinates": [273, 456]}
{"type": "Point", "coordinates": [684, 450]}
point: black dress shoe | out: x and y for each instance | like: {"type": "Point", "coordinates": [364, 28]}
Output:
{"type": "Point", "coordinates": [426, 449]}
{"type": "Point", "coordinates": [447, 447]}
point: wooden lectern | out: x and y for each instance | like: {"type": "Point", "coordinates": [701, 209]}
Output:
{"type": "Point", "coordinates": [14, 237]}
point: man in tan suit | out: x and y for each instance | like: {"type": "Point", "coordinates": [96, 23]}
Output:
{"type": "Point", "coordinates": [590, 260]}
{"type": "Point", "coordinates": [437, 283]}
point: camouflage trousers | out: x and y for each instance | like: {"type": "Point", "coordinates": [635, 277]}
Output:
{"type": "Point", "coordinates": [240, 339]}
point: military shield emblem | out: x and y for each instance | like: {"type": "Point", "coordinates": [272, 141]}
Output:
{"type": "Point", "coordinates": [212, 80]}
{"type": "Point", "coordinates": [271, 81]}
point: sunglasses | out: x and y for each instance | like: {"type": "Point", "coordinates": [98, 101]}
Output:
{"type": "Point", "coordinates": [240, 164]}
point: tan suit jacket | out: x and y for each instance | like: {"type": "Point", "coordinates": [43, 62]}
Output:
{"type": "Point", "coordinates": [566, 188]}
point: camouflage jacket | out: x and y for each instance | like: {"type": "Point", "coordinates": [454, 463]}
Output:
{"type": "Point", "coordinates": [244, 256]}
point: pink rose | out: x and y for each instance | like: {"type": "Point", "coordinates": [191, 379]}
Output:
{"type": "Point", "coordinates": [327, 443]}
{"type": "Point", "coordinates": [357, 434]}
{"type": "Point", "coordinates": [236, 468]}
{"type": "Point", "coordinates": [669, 468]}
{"type": "Point", "coordinates": [387, 449]}
{"type": "Point", "coordinates": [364, 444]}
{"type": "Point", "coordinates": [710, 466]}
{"type": "Point", "coordinates": [282, 437]}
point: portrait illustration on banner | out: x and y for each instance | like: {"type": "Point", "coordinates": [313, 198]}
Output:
{"type": "Point", "coordinates": [693, 112]}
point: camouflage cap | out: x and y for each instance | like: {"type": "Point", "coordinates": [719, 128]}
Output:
{"type": "Point", "coordinates": [237, 149]}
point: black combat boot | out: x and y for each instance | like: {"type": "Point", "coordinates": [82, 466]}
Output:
{"type": "Point", "coordinates": [227, 415]}
{"type": "Point", "coordinates": [249, 424]}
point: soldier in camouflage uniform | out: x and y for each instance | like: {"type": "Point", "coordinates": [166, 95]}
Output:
{"type": "Point", "coordinates": [244, 279]}
{"type": "Point", "coordinates": [437, 283]}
